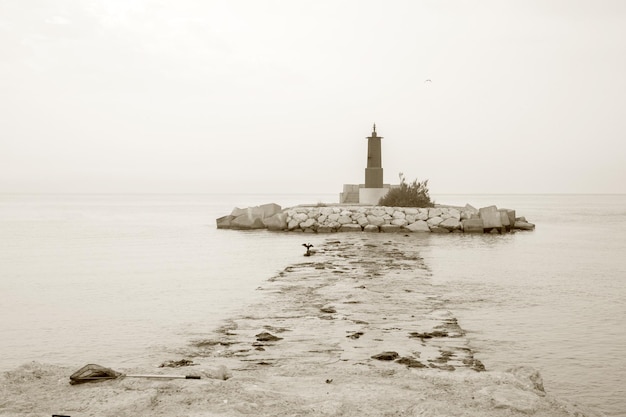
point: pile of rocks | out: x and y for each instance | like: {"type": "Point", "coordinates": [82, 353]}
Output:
{"type": "Point", "coordinates": [315, 219]}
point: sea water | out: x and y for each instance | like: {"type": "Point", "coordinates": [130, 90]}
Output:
{"type": "Point", "coordinates": [119, 280]}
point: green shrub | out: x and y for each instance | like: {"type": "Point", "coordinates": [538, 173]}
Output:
{"type": "Point", "coordinates": [414, 194]}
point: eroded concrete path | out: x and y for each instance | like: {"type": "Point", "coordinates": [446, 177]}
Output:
{"type": "Point", "coordinates": [352, 300]}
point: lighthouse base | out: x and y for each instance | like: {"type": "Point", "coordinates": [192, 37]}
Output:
{"type": "Point", "coordinates": [371, 196]}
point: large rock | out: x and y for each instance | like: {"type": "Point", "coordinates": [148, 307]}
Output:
{"type": "Point", "coordinates": [422, 214]}
{"type": "Point", "coordinates": [350, 228]}
{"type": "Point", "coordinates": [224, 222]}
{"type": "Point", "coordinates": [418, 226]}
{"type": "Point", "coordinates": [371, 228]}
{"type": "Point", "coordinates": [454, 213]}
{"type": "Point", "coordinates": [450, 223]}
{"type": "Point", "coordinates": [524, 225]}
{"type": "Point", "coordinates": [249, 220]}
{"type": "Point", "coordinates": [470, 209]}
{"type": "Point", "coordinates": [511, 217]}
{"type": "Point", "coordinates": [343, 219]}
{"type": "Point", "coordinates": [362, 221]}
{"type": "Point", "coordinates": [300, 217]}
{"type": "Point", "coordinates": [238, 211]}
{"type": "Point", "coordinates": [293, 224]}
{"type": "Point", "coordinates": [491, 217]}
{"type": "Point", "coordinates": [390, 228]}
{"type": "Point", "coordinates": [473, 226]}
{"type": "Point", "coordinates": [504, 219]}
{"type": "Point", "coordinates": [434, 212]}
{"type": "Point", "coordinates": [257, 212]}
{"type": "Point", "coordinates": [375, 220]}
{"type": "Point", "coordinates": [434, 221]}
{"type": "Point", "coordinates": [399, 222]}
{"type": "Point", "coordinates": [378, 212]}
{"type": "Point", "coordinates": [270, 209]}
{"type": "Point", "coordinates": [308, 223]}
{"type": "Point", "coordinates": [276, 222]}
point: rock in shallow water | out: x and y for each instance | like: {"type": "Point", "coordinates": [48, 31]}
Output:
{"type": "Point", "coordinates": [386, 356]}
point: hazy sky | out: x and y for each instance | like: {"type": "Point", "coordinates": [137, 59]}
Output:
{"type": "Point", "coordinates": [278, 96]}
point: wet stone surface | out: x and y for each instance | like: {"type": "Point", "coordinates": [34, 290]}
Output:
{"type": "Point", "coordinates": [370, 295]}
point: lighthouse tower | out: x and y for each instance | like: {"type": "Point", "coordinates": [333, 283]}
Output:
{"type": "Point", "coordinates": [374, 170]}
{"type": "Point", "coordinates": [374, 189]}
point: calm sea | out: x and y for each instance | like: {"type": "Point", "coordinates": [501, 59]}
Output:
{"type": "Point", "coordinates": [123, 279]}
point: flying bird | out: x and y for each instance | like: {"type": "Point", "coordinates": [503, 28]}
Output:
{"type": "Point", "coordinates": [427, 81]}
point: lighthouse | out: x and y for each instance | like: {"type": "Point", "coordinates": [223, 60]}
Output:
{"type": "Point", "coordinates": [374, 170]}
{"type": "Point", "coordinates": [373, 189]}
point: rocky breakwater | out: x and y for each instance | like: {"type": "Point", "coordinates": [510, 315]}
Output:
{"type": "Point", "coordinates": [375, 219]}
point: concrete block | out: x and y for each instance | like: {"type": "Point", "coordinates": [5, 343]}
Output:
{"type": "Point", "coordinates": [491, 217]}
{"type": "Point", "coordinates": [473, 226]}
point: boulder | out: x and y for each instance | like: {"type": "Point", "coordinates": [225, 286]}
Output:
{"type": "Point", "coordinates": [276, 222]}
{"type": "Point", "coordinates": [511, 217]}
{"type": "Point", "coordinates": [292, 224]}
{"type": "Point", "coordinates": [344, 219]}
{"type": "Point", "coordinates": [349, 227]}
{"type": "Point", "coordinates": [390, 228]}
{"type": "Point", "coordinates": [398, 215]}
{"type": "Point", "coordinates": [270, 209]}
{"type": "Point", "coordinates": [473, 226]}
{"type": "Point", "coordinates": [248, 221]}
{"type": "Point", "coordinates": [434, 212]}
{"type": "Point", "coordinates": [362, 221]}
{"type": "Point", "coordinates": [314, 214]}
{"type": "Point", "coordinates": [491, 217]}
{"type": "Point", "coordinates": [308, 223]}
{"type": "Point", "coordinates": [454, 213]}
{"type": "Point", "coordinates": [399, 222]}
{"type": "Point", "coordinates": [238, 211]}
{"type": "Point", "coordinates": [371, 228]}
{"type": "Point", "coordinates": [411, 210]}
{"type": "Point", "coordinates": [451, 224]}
{"type": "Point", "coordinates": [300, 217]}
{"type": "Point", "coordinates": [524, 225]}
{"type": "Point", "coordinates": [434, 221]}
{"type": "Point", "coordinates": [504, 218]}
{"type": "Point", "coordinates": [224, 222]}
{"type": "Point", "coordinates": [418, 226]}
{"type": "Point", "coordinates": [375, 220]}
{"type": "Point", "coordinates": [260, 212]}
{"type": "Point", "coordinates": [422, 214]}
{"type": "Point", "coordinates": [386, 356]}
{"type": "Point", "coordinates": [470, 209]}
{"type": "Point", "coordinates": [333, 217]}
{"type": "Point", "coordinates": [378, 212]}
